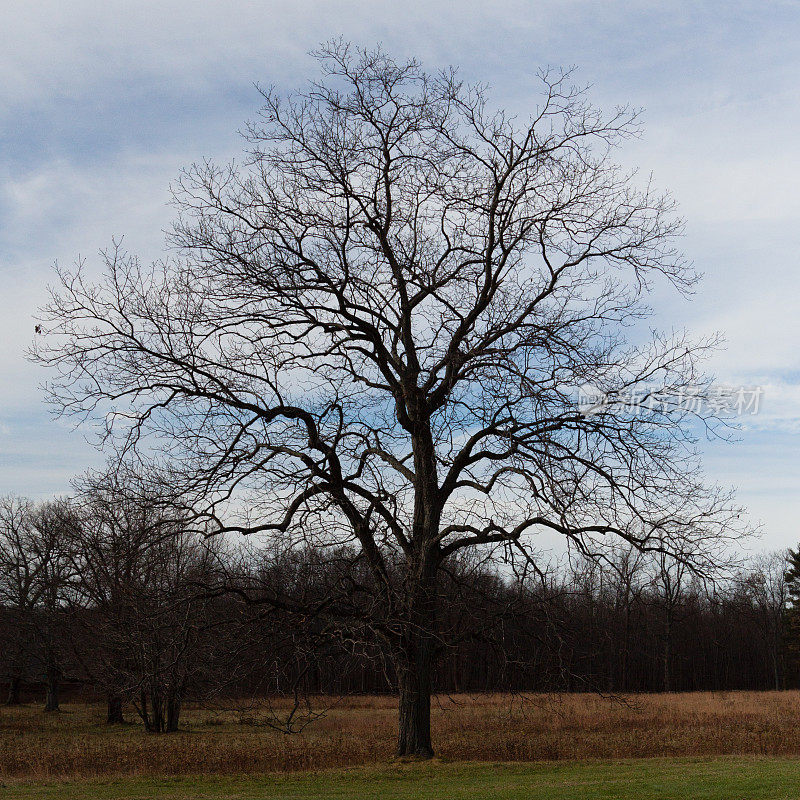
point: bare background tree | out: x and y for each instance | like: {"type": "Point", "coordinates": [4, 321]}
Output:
{"type": "Point", "coordinates": [766, 594]}
{"type": "Point", "coordinates": [19, 590]}
{"type": "Point", "coordinates": [150, 635]}
{"type": "Point", "coordinates": [36, 587]}
{"type": "Point", "coordinates": [372, 335]}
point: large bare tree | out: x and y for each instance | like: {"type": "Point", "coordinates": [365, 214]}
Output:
{"type": "Point", "coordinates": [372, 332]}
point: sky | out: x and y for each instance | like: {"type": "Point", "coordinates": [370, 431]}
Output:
{"type": "Point", "coordinates": [102, 103]}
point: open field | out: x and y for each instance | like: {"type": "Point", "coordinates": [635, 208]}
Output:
{"type": "Point", "coordinates": [75, 743]}
{"type": "Point", "coordinates": [645, 779]}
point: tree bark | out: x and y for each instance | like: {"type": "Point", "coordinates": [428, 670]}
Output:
{"type": "Point", "coordinates": [414, 665]}
{"type": "Point", "coordinates": [14, 684]}
{"type": "Point", "coordinates": [414, 730]}
{"type": "Point", "coordinates": [114, 716]}
{"type": "Point", "coordinates": [157, 715]}
{"type": "Point", "coordinates": [51, 699]}
{"type": "Point", "coordinates": [776, 657]}
{"type": "Point", "coordinates": [144, 713]}
{"type": "Point", "coordinates": [173, 713]}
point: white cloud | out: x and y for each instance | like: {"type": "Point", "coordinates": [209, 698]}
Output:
{"type": "Point", "coordinates": [58, 212]}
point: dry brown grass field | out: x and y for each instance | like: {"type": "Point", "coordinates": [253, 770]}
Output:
{"type": "Point", "coordinates": [75, 743]}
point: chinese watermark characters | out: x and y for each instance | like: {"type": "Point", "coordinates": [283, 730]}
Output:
{"type": "Point", "coordinates": [719, 400]}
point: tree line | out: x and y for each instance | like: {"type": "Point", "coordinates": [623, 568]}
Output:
{"type": "Point", "coordinates": [113, 592]}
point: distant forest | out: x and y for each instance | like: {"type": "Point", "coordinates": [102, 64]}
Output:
{"type": "Point", "coordinates": [150, 616]}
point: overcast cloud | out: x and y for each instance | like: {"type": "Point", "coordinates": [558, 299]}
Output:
{"type": "Point", "coordinates": [102, 103]}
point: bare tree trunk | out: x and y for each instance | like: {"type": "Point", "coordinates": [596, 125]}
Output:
{"type": "Point", "coordinates": [144, 712]}
{"type": "Point", "coordinates": [114, 716]}
{"type": "Point", "coordinates": [173, 713]}
{"type": "Point", "coordinates": [414, 723]}
{"type": "Point", "coordinates": [414, 667]}
{"type": "Point", "coordinates": [626, 647]}
{"type": "Point", "coordinates": [775, 665]}
{"type": "Point", "coordinates": [667, 656]}
{"type": "Point", "coordinates": [14, 684]}
{"type": "Point", "coordinates": [51, 699]}
{"type": "Point", "coordinates": [157, 716]}
{"type": "Point", "coordinates": [776, 655]}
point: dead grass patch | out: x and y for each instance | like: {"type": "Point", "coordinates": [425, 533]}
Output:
{"type": "Point", "coordinates": [359, 730]}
